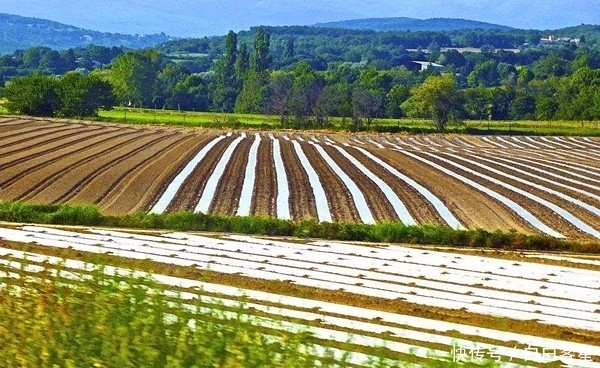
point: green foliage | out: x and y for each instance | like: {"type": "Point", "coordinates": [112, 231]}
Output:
{"type": "Point", "coordinates": [34, 94]}
{"type": "Point", "coordinates": [73, 95]}
{"type": "Point", "coordinates": [104, 321]}
{"type": "Point", "coordinates": [395, 232]}
{"type": "Point", "coordinates": [82, 96]}
{"type": "Point", "coordinates": [228, 84]}
{"type": "Point", "coordinates": [133, 76]}
{"type": "Point", "coordinates": [437, 99]}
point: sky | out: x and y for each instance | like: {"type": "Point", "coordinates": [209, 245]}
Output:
{"type": "Point", "coordinates": [195, 18]}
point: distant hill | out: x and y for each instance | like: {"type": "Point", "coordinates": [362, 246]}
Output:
{"type": "Point", "coordinates": [18, 33]}
{"type": "Point", "coordinates": [411, 24]}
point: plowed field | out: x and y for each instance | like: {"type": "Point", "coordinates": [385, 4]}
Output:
{"type": "Point", "coordinates": [532, 184]}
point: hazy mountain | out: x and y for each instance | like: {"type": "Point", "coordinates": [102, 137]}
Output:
{"type": "Point", "coordinates": [412, 24]}
{"type": "Point", "coordinates": [215, 17]}
{"type": "Point", "coordinates": [18, 32]}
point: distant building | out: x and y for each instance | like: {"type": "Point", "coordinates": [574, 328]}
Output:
{"type": "Point", "coordinates": [427, 65]}
{"type": "Point", "coordinates": [558, 40]}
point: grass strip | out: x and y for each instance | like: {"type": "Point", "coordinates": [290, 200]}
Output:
{"type": "Point", "coordinates": [385, 232]}
{"type": "Point", "coordinates": [337, 124]}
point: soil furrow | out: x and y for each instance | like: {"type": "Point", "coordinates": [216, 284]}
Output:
{"type": "Point", "coordinates": [191, 190]}
{"type": "Point", "coordinates": [39, 135]}
{"type": "Point", "coordinates": [229, 189]}
{"type": "Point", "coordinates": [524, 163]}
{"type": "Point", "coordinates": [94, 186]}
{"type": "Point", "coordinates": [36, 181]}
{"type": "Point", "coordinates": [538, 210]}
{"type": "Point", "coordinates": [339, 197]}
{"type": "Point", "coordinates": [64, 187]}
{"type": "Point", "coordinates": [140, 189]}
{"type": "Point", "coordinates": [473, 208]}
{"type": "Point", "coordinates": [302, 199]}
{"type": "Point", "coordinates": [378, 203]}
{"type": "Point", "coordinates": [542, 212]}
{"type": "Point", "coordinates": [57, 149]}
{"type": "Point", "coordinates": [419, 207]}
{"type": "Point", "coordinates": [538, 181]}
{"type": "Point", "coordinates": [265, 186]}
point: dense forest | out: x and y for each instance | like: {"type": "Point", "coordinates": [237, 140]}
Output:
{"type": "Point", "coordinates": [306, 75]}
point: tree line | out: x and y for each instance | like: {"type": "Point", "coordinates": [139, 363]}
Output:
{"type": "Point", "coordinates": [539, 83]}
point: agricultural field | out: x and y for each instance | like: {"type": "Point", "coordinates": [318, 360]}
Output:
{"type": "Point", "coordinates": [359, 303]}
{"type": "Point", "coordinates": [534, 185]}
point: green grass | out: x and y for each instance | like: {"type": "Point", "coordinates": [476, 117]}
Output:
{"type": "Point", "coordinates": [416, 126]}
{"type": "Point", "coordinates": [388, 232]}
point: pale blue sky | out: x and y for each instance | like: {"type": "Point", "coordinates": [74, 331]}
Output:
{"type": "Point", "coordinates": [216, 17]}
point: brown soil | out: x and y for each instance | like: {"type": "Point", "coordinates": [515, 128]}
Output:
{"type": "Point", "coordinates": [302, 199]}
{"type": "Point", "coordinates": [34, 158]}
{"type": "Point", "coordinates": [22, 139]}
{"type": "Point", "coordinates": [38, 177]}
{"type": "Point", "coordinates": [229, 189]}
{"type": "Point", "coordinates": [141, 188]}
{"type": "Point", "coordinates": [473, 208]}
{"type": "Point", "coordinates": [265, 185]}
{"type": "Point", "coordinates": [123, 169]}
{"type": "Point", "coordinates": [420, 208]}
{"type": "Point", "coordinates": [188, 196]}
{"type": "Point", "coordinates": [62, 186]}
{"type": "Point", "coordinates": [91, 189]}
{"type": "Point", "coordinates": [340, 200]}
{"type": "Point", "coordinates": [541, 212]}
{"type": "Point", "coordinates": [378, 203]}
{"type": "Point", "coordinates": [543, 183]}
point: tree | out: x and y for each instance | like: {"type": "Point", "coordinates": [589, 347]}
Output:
{"type": "Point", "coordinates": [73, 95]}
{"type": "Point", "coordinates": [476, 103]}
{"type": "Point", "coordinates": [168, 79]}
{"type": "Point", "coordinates": [437, 99]}
{"type": "Point", "coordinates": [35, 94]}
{"type": "Point", "coordinates": [394, 99]}
{"type": "Point", "coordinates": [260, 60]}
{"type": "Point", "coordinates": [485, 74]}
{"type": "Point", "coordinates": [367, 105]}
{"type": "Point", "coordinates": [83, 95]}
{"type": "Point", "coordinates": [501, 99]}
{"type": "Point", "coordinates": [252, 96]}
{"type": "Point", "coordinates": [227, 86]}
{"type": "Point", "coordinates": [134, 77]}
{"type": "Point", "coordinates": [280, 95]}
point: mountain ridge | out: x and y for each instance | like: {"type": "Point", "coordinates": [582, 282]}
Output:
{"type": "Point", "coordinates": [18, 32]}
{"type": "Point", "coordinates": [411, 24]}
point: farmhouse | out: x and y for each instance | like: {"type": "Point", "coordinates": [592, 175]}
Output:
{"type": "Point", "coordinates": [427, 64]}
